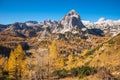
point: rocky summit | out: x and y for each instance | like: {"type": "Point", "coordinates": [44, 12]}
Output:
{"type": "Point", "coordinates": [71, 22]}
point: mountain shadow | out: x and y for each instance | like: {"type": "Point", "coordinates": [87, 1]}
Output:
{"type": "Point", "coordinates": [96, 31]}
{"type": "Point", "coordinates": [4, 51]}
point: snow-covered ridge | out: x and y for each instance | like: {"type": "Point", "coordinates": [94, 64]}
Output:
{"type": "Point", "coordinates": [107, 25]}
{"type": "Point", "coordinates": [102, 21]}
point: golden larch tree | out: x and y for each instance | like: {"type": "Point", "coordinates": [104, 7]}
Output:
{"type": "Point", "coordinates": [53, 50]}
{"type": "Point", "coordinates": [56, 60]}
{"type": "Point", "coordinates": [71, 61]}
{"type": "Point", "coordinates": [15, 62]}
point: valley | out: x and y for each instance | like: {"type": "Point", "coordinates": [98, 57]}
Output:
{"type": "Point", "coordinates": [69, 49]}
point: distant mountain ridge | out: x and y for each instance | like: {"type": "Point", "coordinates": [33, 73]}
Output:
{"type": "Point", "coordinates": [107, 26]}
{"type": "Point", "coordinates": [71, 22]}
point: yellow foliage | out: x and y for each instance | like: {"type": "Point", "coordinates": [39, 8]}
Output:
{"type": "Point", "coordinates": [11, 64]}
{"type": "Point", "coordinates": [24, 69]}
{"type": "Point", "coordinates": [19, 52]}
{"type": "Point", "coordinates": [71, 62]}
{"type": "Point", "coordinates": [53, 49]}
{"type": "Point", "coordinates": [15, 62]}
{"type": "Point", "coordinates": [84, 52]}
{"type": "Point", "coordinates": [59, 63]}
{"type": "Point", "coordinates": [56, 60]}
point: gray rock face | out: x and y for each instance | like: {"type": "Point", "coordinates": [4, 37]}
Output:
{"type": "Point", "coordinates": [2, 27]}
{"type": "Point", "coordinates": [71, 21]}
{"type": "Point", "coordinates": [45, 33]}
{"type": "Point", "coordinates": [22, 28]}
{"type": "Point", "coordinates": [17, 26]}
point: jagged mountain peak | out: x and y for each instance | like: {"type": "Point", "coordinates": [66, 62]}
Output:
{"type": "Point", "coordinates": [16, 26]}
{"type": "Point", "coordinates": [71, 21]}
{"type": "Point", "coordinates": [73, 12]}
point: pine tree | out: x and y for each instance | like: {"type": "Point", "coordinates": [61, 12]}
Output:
{"type": "Point", "coordinates": [53, 49]}
{"type": "Point", "coordinates": [71, 62]}
{"type": "Point", "coordinates": [57, 61]}
{"type": "Point", "coordinates": [60, 62]}
{"type": "Point", "coordinates": [11, 64]}
{"type": "Point", "coordinates": [53, 53]}
{"type": "Point", "coordinates": [15, 62]}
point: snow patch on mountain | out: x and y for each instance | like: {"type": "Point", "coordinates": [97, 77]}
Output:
{"type": "Point", "coordinates": [107, 25]}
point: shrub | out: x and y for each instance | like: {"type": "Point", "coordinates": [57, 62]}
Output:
{"type": "Point", "coordinates": [93, 50]}
{"type": "Point", "coordinates": [60, 73]}
{"type": "Point", "coordinates": [5, 72]}
{"type": "Point", "coordinates": [111, 42]}
{"type": "Point", "coordinates": [5, 78]}
{"type": "Point", "coordinates": [85, 71]}
{"type": "Point", "coordinates": [74, 71]}
{"type": "Point", "coordinates": [82, 71]}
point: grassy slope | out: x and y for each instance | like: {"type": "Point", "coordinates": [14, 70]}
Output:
{"type": "Point", "coordinates": [107, 55]}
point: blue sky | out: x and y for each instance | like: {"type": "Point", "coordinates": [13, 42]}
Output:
{"type": "Point", "coordinates": [23, 10]}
